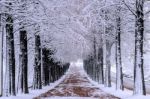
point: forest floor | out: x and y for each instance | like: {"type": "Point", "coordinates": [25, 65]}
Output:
{"type": "Point", "coordinates": [76, 84]}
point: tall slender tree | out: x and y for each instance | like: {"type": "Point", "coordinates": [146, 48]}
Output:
{"type": "Point", "coordinates": [119, 74]}
{"type": "Point", "coordinates": [45, 62]}
{"type": "Point", "coordinates": [108, 42]}
{"type": "Point", "coordinates": [1, 57]}
{"type": "Point", "coordinates": [139, 83]}
{"type": "Point", "coordinates": [24, 61]}
{"type": "Point", "coordinates": [37, 83]}
{"type": "Point", "coordinates": [94, 59]}
{"type": "Point", "coordinates": [10, 54]}
{"type": "Point", "coordinates": [100, 64]}
{"type": "Point", "coordinates": [108, 64]}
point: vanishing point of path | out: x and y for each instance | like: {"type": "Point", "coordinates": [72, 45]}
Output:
{"type": "Point", "coordinates": [76, 84]}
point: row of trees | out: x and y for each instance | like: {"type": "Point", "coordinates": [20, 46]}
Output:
{"type": "Point", "coordinates": [46, 68]}
{"type": "Point", "coordinates": [51, 72]}
{"type": "Point", "coordinates": [110, 32]}
{"type": "Point", "coordinates": [104, 20]}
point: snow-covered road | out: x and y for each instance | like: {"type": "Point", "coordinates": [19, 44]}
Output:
{"type": "Point", "coordinates": [76, 86]}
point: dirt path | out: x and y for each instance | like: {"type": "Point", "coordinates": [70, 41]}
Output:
{"type": "Point", "coordinates": [76, 84]}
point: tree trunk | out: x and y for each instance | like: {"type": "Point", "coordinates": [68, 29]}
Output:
{"type": "Point", "coordinates": [139, 83]}
{"type": "Point", "coordinates": [45, 54]}
{"type": "Point", "coordinates": [100, 65]}
{"type": "Point", "coordinates": [108, 64]}
{"type": "Point", "coordinates": [37, 66]}
{"type": "Point", "coordinates": [1, 57]}
{"type": "Point", "coordinates": [119, 74]}
{"type": "Point", "coordinates": [10, 54]}
{"type": "Point", "coordinates": [94, 60]}
{"type": "Point", "coordinates": [24, 61]}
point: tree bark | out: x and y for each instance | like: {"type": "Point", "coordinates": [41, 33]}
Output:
{"type": "Point", "coordinates": [119, 74]}
{"type": "Point", "coordinates": [24, 61]}
{"type": "Point", "coordinates": [1, 56]}
{"type": "Point", "coordinates": [37, 66]}
{"type": "Point", "coordinates": [46, 70]}
{"type": "Point", "coordinates": [139, 83]}
{"type": "Point", "coordinates": [108, 64]}
{"type": "Point", "coordinates": [100, 65]}
{"type": "Point", "coordinates": [94, 60]}
{"type": "Point", "coordinates": [10, 54]}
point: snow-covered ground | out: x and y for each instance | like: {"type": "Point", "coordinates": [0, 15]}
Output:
{"type": "Point", "coordinates": [34, 93]}
{"type": "Point", "coordinates": [139, 97]}
{"type": "Point", "coordinates": [127, 94]}
{"type": "Point", "coordinates": [70, 98]}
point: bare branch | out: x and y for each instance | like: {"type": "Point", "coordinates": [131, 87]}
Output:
{"type": "Point", "coordinates": [128, 7]}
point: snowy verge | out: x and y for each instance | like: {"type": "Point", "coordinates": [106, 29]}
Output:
{"type": "Point", "coordinates": [139, 97]}
{"type": "Point", "coordinates": [112, 90]}
{"type": "Point", "coordinates": [126, 94]}
{"type": "Point", "coordinates": [70, 98]}
{"type": "Point", "coordinates": [35, 93]}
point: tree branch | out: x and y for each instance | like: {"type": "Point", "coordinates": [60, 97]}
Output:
{"type": "Point", "coordinates": [128, 7]}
